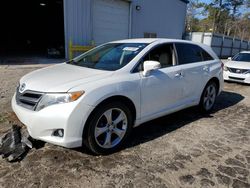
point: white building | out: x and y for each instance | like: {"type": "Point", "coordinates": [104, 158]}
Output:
{"type": "Point", "coordinates": [38, 25]}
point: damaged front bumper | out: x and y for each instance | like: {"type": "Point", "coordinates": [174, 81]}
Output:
{"type": "Point", "coordinates": [42, 125]}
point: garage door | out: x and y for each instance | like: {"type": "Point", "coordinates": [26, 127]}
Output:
{"type": "Point", "coordinates": [110, 20]}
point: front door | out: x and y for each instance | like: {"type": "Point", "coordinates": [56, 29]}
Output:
{"type": "Point", "coordinates": [162, 90]}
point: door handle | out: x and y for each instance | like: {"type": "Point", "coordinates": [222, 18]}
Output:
{"type": "Point", "coordinates": [206, 68]}
{"type": "Point", "coordinates": [179, 75]}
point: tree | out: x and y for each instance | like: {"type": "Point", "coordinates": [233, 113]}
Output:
{"type": "Point", "coordinates": [235, 5]}
{"type": "Point", "coordinates": [192, 12]}
{"type": "Point", "coordinates": [217, 9]}
{"type": "Point", "coordinates": [219, 16]}
{"type": "Point", "coordinates": [243, 27]}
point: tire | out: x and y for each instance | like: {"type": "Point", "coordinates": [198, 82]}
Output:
{"type": "Point", "coordinates": [208, 97]}
{"type": "Point", "coordinates": [108, 129]}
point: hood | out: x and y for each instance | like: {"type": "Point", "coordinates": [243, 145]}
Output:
{"type": "Point", "coordinates": [61, 78]}
{"type": "Point", "coordinates": [238, 64]}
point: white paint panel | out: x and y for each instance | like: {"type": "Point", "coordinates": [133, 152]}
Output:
{"type": "Point", "coordinates": [110, 20]}
{"type": "Point", "coordinates": [197, 37]}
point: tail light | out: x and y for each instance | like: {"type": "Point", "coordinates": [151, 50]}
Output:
{"type": "Point", "coordinates": [222, 65]}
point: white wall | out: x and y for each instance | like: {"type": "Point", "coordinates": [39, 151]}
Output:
{"type": "Point", "coordinates": [77, 22]}
{"type": "Point", "coordinates": [166, 18]}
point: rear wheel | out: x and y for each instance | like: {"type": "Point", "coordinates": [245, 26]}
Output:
{"type": "Point", "coordinates": [108, 128]}
{"type": "Point", "coordinates": [208, 97]}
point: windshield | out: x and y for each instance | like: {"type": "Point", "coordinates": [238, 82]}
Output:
{"type": "Point", "coordinates": [111, 57]}
{"type": "Point", "coordinates": [242, 57]}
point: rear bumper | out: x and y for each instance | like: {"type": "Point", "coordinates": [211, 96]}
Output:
{"type": "Point", "coordinates": [221, 80]}
{"type": "Point", "coordinates": [241, 78]}
{"type": "Point", "coordinates": [71, 117]}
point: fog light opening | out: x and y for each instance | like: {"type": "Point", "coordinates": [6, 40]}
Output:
{"type": "Point", "coordinates": [58, 133]}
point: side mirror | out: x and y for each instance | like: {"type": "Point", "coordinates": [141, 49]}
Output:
{"type": "Point", "coordinates": [149, 66]}
{"type": "Point", "coordinates": [230, 58]}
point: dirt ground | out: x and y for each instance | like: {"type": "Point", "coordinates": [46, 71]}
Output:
{"type": "Point", "coordinates": [185, 149]}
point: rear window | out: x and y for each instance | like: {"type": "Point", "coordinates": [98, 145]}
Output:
{"type": "Point", "coordinates": [190, 53]}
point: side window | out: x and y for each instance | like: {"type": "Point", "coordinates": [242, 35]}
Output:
{"type": "Point", "coordinates": [188, 53]}
{"type": "Point", "coordinates": [163, 54]}
{"type": "Point", "coordinates": [206, 56]}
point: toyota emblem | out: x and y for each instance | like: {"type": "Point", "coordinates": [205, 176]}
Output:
{"type": "Point", "coordinates": [238, 71]}
{"type": "Point", "coordinates": [22, 87]}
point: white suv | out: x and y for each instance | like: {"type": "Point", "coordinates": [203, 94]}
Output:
{"type": "Point", "coordinates": [97, 98]}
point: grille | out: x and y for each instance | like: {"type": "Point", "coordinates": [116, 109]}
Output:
{"type": "Point", "coordinates": [28, 99]}
{"type": "Point", "coordinates": [238, 71]}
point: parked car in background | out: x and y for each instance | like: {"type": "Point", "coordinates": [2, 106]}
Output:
{"type": "Point", "coordinates": [97, 98]}
{"type": "Point", "coordinates": [237, 69]}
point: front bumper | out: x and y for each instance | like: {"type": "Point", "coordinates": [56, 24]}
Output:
{"type": "Point", "coordinates": [241, 78]}
{"type": "Point", "coordinates": [71, 117]}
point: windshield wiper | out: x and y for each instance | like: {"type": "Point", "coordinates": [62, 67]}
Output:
{"type": "Point", "coordinates": [72, 61]}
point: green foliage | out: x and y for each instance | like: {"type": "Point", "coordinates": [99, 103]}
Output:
{"type": "Point", "coordinates": [219, 16]}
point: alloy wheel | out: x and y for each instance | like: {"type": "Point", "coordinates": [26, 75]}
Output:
{"type": "Point", "coordinates": [111, 128]}
{"type": "Point", "coordinates": [209, 97]}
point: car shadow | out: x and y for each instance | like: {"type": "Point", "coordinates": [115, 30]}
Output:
{"type": "Point", "coordinates": [238, 83]}
{"type": "Point", "coordinates": [29, 60]}
{"type": "Point", "coordinates": [167, 124]}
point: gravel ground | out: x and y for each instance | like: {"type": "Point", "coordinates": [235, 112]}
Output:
{"type": "Point", "coordinates": [185, 149]}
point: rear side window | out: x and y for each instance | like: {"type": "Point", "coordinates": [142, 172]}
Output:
{"type": "Point", "coordinates": [190, 53]}
{"type": "Point", "coordinates": [206, 56]}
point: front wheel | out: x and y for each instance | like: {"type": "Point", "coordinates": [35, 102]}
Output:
{"type": "Point", "coordinates": [108, 128]}
{"type": "Point", "coordinates": [208, 97]}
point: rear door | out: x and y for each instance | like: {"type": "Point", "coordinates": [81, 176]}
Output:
{"type": "Point", "coordinates": [195, 64]}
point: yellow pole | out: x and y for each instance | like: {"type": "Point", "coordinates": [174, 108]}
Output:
{"type": "Point", "coordinates": [92, 43]}
{"type": "Point", "coordinates": [70, 49]}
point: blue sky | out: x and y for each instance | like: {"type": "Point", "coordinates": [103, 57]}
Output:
{"type": "Point", "coordinates": [206, 1]}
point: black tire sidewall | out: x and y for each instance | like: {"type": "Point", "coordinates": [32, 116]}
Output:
{"type": "Point", "coordinates": [203, 109]}
{"type": "Point", "coordinates": [90, 141]}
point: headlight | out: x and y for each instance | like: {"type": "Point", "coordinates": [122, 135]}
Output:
{"type": "Point", "coordinates": [225, 68]}
{"type": "Point", "coordinates": [58, 98]}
